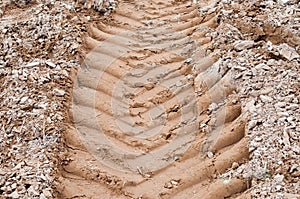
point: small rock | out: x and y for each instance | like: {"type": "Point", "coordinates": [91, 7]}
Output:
{"type": "Point", "coordinates": [210, 154]}
{"type": "Point", "coordinates": [284, 1]}
{"type": "Point", "coordinates": [4, 31]}
{"type": "Point", "coordinates": [43, 177]}
{"type": "Point", "coordinates": [266, 90]}
{"type": "Point", "coordinates": [252, 124]}
{"type": "Point", "coordinates": [280, 104]}
{"type": "Point", "coordinates": [226, 181]}
{"type": "Point", "coordinates": [213, 106]}
{"type": "Point", "coordinates": [189, 60]}
{"type": "Point", "coordinates": [288, 52]}
{"type": "Point", "coordinates": [173, 182]}
{"type": "Point", "coordinates": [51, 64]}
{"type": "Point", "coordinates": [242, 45]}
{"type": "Point", "coordinates": [32, 64]}
{"type": "Point", "coordinates": [240, 68]}
{"type": "Point", "coordinates": [278, 178]}
{"type": "Point", "coordinates": [258, 139]}
{"type": "Point", "coordinates": [14, 186]}
{"type": "Point", "coordinates": [283, 114]}
{"type": "Point", "coordinates": [32, 191]}
{"type": "Point", "coordinates": [263, 66]}
{"type": "Point", "coordinates": [235, 165]}
{"type": "Point", "coordinates": [14, 194]}
{"type": "Point", "coordinates": [265, 98]}
{"type": "Point", "coordinates": [270, 45]}
{"type": "Point", "coordinates": [59, 92]}
{"type": "Point", "coordinates": [168, 186]}
{"type": "Point", "coordinates": [23, 99]}
{"type": "Point", "coordinates": [278, 187]}
{"type": "Point", "coordinates": [42, 196]}
{"type": "Point", "coordinates": [293, 107]}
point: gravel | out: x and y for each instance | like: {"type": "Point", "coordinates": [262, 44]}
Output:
{"type": "Point", "coordinates": [260, 40]}
{"type": "Point", "coordinates": [39, 51]}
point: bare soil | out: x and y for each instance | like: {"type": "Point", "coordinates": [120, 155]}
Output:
{"type": "Point", "coordinates": [155, 39]}
{"type": "Point", "coordinates": [150, 99]}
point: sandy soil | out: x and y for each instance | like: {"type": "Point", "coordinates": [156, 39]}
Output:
{"type": "Point", "coordinates": [145, 121]}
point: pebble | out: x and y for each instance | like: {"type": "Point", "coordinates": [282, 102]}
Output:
{"type": "Point", "coordinates": [235, 165]}
{"type": "Point", "coordinates": [14, 195]}
{"type": "Point", "coordinates": [278, 177]}
{"type": "Point", "coordinates": [242, 45]}
{"type": "Point", "coordinates": [288, 52]}
{"type": "Point", "coordinates": [173, 182]}
{"type": "Point", "coordinates": [59, 92]}
{"type": "Point", "coordinates": [284, 1]}
{"type": "Point", "coordinates": [293, 107]}
{"type": "Point", "coordinates": [210, 154]}
{"type": "Point", "coordinates": [263, 66]}
{"type": "Point", "coordinates": [213, 106]}
{"type": "Point", "coordinates": [266, 90]}
{"type": "Point", "coordinates": [14, 186]}
{"type": "Point", "coordinates": [42, 196]}
{"type": "Point", "coordinates": [24, 99]}
{"type": "Point", "coordinates": [265, 98]}
{"type": "Point", "coordinates": [51, 64]}
{"type": "Point", "coordinates": [32, 64]}
{"type": "Point", "coordinates": [31, 190]}
{"type": "Point", "coordinates": [252, 124]}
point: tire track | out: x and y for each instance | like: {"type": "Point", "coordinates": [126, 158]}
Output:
{"type": "Point", "coordinates": [155, 115]}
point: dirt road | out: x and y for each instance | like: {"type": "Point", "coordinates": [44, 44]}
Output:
{"type": "Point", "coordinates": [154, 113]}
{"type": "Point", "coordinates": [149, 99]}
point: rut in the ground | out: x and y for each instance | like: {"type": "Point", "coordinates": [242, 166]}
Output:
{"type": "Point", "coordinates": [155, 115]}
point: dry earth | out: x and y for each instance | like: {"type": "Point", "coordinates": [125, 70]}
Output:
{"type": "Point", "coordinates": [157, 99]}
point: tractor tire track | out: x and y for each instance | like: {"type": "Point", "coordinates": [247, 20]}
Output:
{"type": "Point", "coordinates": [149, 86]}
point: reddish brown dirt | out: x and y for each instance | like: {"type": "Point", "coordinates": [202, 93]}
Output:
{"type": "Point", "coordinates": [163, 34]}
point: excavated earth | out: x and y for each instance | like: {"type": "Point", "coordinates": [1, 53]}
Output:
{"type": "Point", "coordinates": [153, 99]}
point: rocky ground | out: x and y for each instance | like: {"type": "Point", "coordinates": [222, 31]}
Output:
{"type": "Point", "coordinates": [44, 42]}
{"type": "Point", "coordinates": [265, 56]}
{"type": "Point", "coordinates": [40, 41]}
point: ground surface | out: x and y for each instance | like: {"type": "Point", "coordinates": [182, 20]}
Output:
{"type": "Point", "coordinates": [159, 99]}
